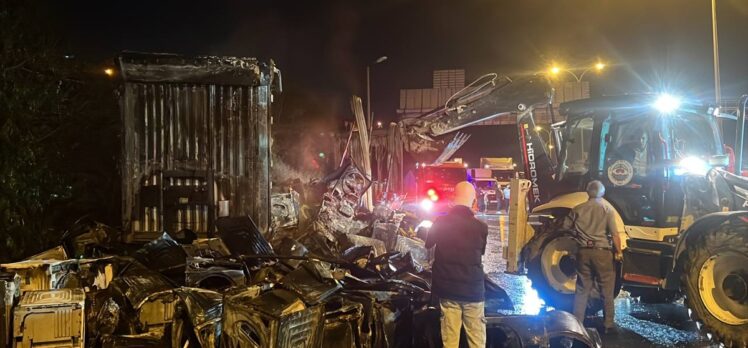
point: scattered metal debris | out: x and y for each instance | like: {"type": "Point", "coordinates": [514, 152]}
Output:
{"type": "Point", "coordinates": [331, 270]}
{"type": "Point", "coordinates": [355, 279]}
{"type": "Point", "coordinates": [339, 203]}
{"type": "Point", "coordinates": [38, 309]}
{"type": "Point", "coordinates": [285, 210]}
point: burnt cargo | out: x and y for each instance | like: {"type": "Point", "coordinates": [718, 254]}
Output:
{"type": "Point", "coordinates": [50, 318]}
{"type": "Point", "coordinates": [196, 142]}
{"type": "Point", "coordinates": [9, 283]}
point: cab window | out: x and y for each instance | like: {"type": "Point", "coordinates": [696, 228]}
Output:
{"type": "Point", "coordinates": [629, 140]}
{"type": "Point", "coordinates": [576, 147]}
{"type": "Point", "coordinates": [693, 135]}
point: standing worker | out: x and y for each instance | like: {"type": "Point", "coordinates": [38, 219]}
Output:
{"type": "Point", "coordinates": [457, 273]}
{"type": "Point", "coordinates": [599, 245]}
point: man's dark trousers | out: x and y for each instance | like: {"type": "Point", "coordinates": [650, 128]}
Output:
{"type": "Point", "coordinates": [595, 263]}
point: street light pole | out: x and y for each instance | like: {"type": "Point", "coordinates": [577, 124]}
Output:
{"type": "Point", "coordinates": [715, 46]}
{"type": "Point", "coordinates": [598, 67]}
{"type": "Point", "coordinates": [578, 78]}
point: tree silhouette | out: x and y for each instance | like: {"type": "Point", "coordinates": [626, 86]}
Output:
{"type": "Point", "coordinates": [58, 135]}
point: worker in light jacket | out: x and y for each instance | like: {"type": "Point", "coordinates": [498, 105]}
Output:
{"type": "Point", "coordinates": [594, 227]}
{"type": "Point", "coordinates": [457, 273]}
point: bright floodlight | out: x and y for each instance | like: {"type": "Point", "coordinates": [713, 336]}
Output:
{"type": "Point", "coordinates": [692, 165]}
{"type": "Point", "coordinates": [599, 66]}
{"type": "Point", "coordinates": [427, 205]}
{"type": "Point", "coordinates": [667, 103]}
{"type": "Point", "coordinates": [554, 70]}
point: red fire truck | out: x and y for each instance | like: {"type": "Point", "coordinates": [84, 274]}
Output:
{"type": "Point", "coordinates": [436, 184]}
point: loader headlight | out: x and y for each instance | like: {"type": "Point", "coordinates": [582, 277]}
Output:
{"type": "Point", "coordinates": [667, 103]}
{"type": "Point", "coordinates": [692, 165]}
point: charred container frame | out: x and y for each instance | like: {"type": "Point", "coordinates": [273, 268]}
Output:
{"type": "Point", "coordinates": [196, 142]}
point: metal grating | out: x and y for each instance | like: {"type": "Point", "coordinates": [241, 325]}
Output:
{"type": "Point", "coordinates": [454, 78]}
{"type": "Point", "coordinates": [300, 329]}
{"type": "Point", "coordinates": [63, 322]}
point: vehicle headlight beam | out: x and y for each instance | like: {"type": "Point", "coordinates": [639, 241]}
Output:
{"type": "Point", "coordinates": [667, 104]}
{"type": "Point", "coordinates": [692, 165]}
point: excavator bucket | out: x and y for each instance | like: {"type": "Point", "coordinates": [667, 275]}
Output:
{"type": "Point", "coordinates": [519, 232]}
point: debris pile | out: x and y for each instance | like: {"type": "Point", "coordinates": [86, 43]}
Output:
{"type": "Point", "coordinates": [351, 279]}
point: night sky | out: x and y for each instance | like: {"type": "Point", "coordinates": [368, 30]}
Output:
{"type": "Point", "coordinates": [323, 47]}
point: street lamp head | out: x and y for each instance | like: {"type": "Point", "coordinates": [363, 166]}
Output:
{"type": "Point", "coordinates": [109, 72]}
{"type": "Point", "coordinates": [599, 66]}
{"type": "Point", "coordinates": [380, 59]}
{"type": "Point", "coordinates": [554, 70]}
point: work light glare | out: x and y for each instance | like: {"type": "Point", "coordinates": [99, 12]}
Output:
{"type": "Point", "coordinates": [667, 103]}
{"type": "Point", "coordinates": [692, 165]}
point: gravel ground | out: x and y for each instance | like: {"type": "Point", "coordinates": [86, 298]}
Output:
{"type": "Point", "coordinates": [642, 325]}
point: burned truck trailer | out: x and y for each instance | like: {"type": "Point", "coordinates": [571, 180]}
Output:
{"type": "Point", "coordinates": [196, 142]}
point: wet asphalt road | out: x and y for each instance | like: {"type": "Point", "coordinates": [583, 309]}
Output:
{"type": "Point", "coordinates": [642, 325]}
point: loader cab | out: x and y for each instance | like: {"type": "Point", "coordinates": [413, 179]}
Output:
{"type": "Point", "coordinates": [640, 147]}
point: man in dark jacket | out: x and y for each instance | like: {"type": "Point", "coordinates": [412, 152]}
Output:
{"type": "Point", "coordinates": [457, 272]}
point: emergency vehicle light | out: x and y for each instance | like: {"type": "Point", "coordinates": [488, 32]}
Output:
{"type": "Point", "coordinates": [433, 196]}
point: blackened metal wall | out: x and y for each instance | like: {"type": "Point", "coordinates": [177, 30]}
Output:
{"type": "Point", "coordinates": [196, 142]}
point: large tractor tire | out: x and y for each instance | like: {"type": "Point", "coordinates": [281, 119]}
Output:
{"type": "Point", "coordinates": [552, 271]}
{"type": "Point", "coordinates": [715, 277]}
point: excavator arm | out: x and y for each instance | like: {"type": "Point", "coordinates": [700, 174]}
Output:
{"type": "Point", "coordinates": [489, 97]}
{"type": "Point", "coordinates": [486, 98]}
